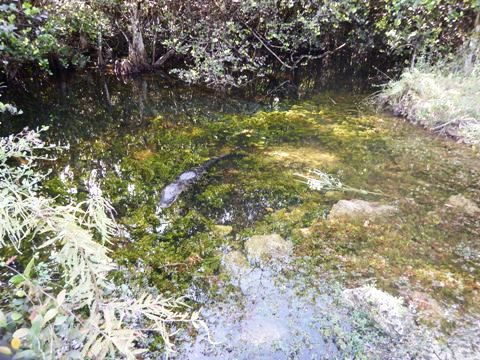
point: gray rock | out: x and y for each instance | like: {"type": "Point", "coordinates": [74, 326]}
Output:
{"type": "Point", "coordinates": [261, 248]}
{"type": "Point", "coordinates": [426, 307]}
{"type": "Point", "coordinates": [264, 331]}
{"type": "Point", "coordinates": [360, 210]}
{"type": "Point", "coordinates": [235, 263]}
{"type": "Point", "coordinates": [462, 204]}
{"type": "Point", "coordinates": [389, 312]}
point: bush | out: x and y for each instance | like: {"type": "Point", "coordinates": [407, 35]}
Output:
{"type": "Point", "coordinates": [64, 303]}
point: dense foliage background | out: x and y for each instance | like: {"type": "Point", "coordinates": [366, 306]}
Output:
{"type": "Point", "coordinates": [229, 43]}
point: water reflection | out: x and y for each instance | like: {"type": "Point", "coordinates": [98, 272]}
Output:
{"type": "Point", "coordinates": [88, 105]}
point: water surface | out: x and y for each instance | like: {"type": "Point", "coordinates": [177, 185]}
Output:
{"type": "Point", "coordinates": [140, 135]}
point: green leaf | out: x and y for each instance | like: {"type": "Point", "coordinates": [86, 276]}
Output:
{"type": "Point", "coordinates": [49, 315]}
{"type": "Point", "coordinates": [26, 354]}
{"type": "Point", "coordinates": [16, 316]}
{"type": "Point", "coordinates": [21, 333]}
{"type": "Point", "coordinates": [61, 297]}
{"type": "Point", "coordinates": [17, 279]}
{"type": "Point", "coordinates": [4, 350]}
{"type": "Point", "coordinates": [59, 320]}
{"type": "Point", "coordinates": [37, 325]}
{"type": "Point", "coordinates": [29, 267]}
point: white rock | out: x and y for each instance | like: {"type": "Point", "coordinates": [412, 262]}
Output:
{"type": "Point", "coordinates": [461, 203]}
{"type": "Point", "coordinates": [360, 210]}
{"type": "Point", "coordinates": [235, 263]}
{"type": "Point", "coordinates": [386, 310]}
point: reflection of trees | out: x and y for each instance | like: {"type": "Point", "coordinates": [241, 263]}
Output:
{"type": "Point", "coordinates": [101, 117]}
{"type": "Point", "coordinates": [86, 106]}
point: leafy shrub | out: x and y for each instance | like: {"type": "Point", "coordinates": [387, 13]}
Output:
{"type": "Point", "coordinates": [229, 43]}
{"type": "Point", "coordinates": [64, 303]}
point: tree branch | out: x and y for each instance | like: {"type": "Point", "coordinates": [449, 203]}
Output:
{"type": "Point", "coordinates": [162, 59]}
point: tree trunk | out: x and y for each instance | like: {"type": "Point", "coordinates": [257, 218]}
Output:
{"type": "Point", "coordinates": [161, 60]}
{"type": "Point", "coordinates": [473, 45]}
{"type": "Point", "coordinates": [137, 54]}
{"type": "Point", "coordinates": [100, 60]}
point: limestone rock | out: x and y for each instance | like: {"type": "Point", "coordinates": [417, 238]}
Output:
{"type": "Point", "coordinates": [386, 310]}
{"type": "Point", "coordinates": [461, 203]}
{"type": "Point", "coordinates": [235, 263]}
{"type": "Point", "coordinates": [427, 307]}
{"type": "Point", "coordinates": [360, 210]}
{"type": "Point", "coordinates": [264, 247]}
{"type": "Point", "coordinates": [267, 331]}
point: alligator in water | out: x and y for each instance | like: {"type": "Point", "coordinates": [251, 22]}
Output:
{"type": "Point", "coordinates": [172, 191]}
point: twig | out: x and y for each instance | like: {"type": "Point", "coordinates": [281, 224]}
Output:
{"type": "Point", "coordinates": [322, 55]}
{"type": "Point", "coordinates": [380, 71]}
{"type": "Point", "coordinates": [268, 48]}
{"type": "Point", "coordinates": [173, 265]}
{"type": "Point", "coordinates": [334, 184]}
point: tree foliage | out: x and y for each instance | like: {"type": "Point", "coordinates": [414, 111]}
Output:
{"type": "Point", "coordinates": [227, 43]}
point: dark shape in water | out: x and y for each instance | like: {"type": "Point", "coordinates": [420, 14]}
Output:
{"type": "Point", "coordinates": [172, 191]}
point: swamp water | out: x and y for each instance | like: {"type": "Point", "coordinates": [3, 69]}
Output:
{"type": "Point", "coordinates": [139, 136]}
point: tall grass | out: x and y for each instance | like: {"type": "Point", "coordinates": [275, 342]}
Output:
{"type": "Point", "coordinates": [444, 97]}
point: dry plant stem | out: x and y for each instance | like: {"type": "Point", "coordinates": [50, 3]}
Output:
{"type": "Point", "coordinates": [337, 186]}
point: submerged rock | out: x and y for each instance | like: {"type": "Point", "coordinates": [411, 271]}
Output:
{"type": "Point", "coordinates": [235, 263]}
{"type": "Point", "coordinates": [462, 204]}
{"type": "Point", "coordinates": [387, 311]}
{"type": "Point", "coordinates": [427, 307]}
{"type": "Point", "coordinates": [272, 317]}
{"type": "Point", "coordinates": [360, 210]}
{"type": "Point", "coordinates": [283, 315]}
{"type": "Point", "coordinates": [260, 248]}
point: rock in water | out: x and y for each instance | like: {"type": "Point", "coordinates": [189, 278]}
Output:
{"type": "Point", "coordinates": [386, 310]}
{"type": "Point", "coordinates": [235, 263]}
{"type": "Point", "coordinates": [261, 248]}
{"type": "Point", "coordinates": [360, 210]}
{"type": "Point", "coordinates": [462, 204]}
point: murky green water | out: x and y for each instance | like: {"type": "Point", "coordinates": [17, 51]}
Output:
{"type": "Point", "coordinates": [141, 135]}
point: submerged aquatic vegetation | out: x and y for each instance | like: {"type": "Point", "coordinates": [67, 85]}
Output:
{"type": "Point", "coordinates": [179, 251]}
{"type": "Point", "coordinates": [64, 302]}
